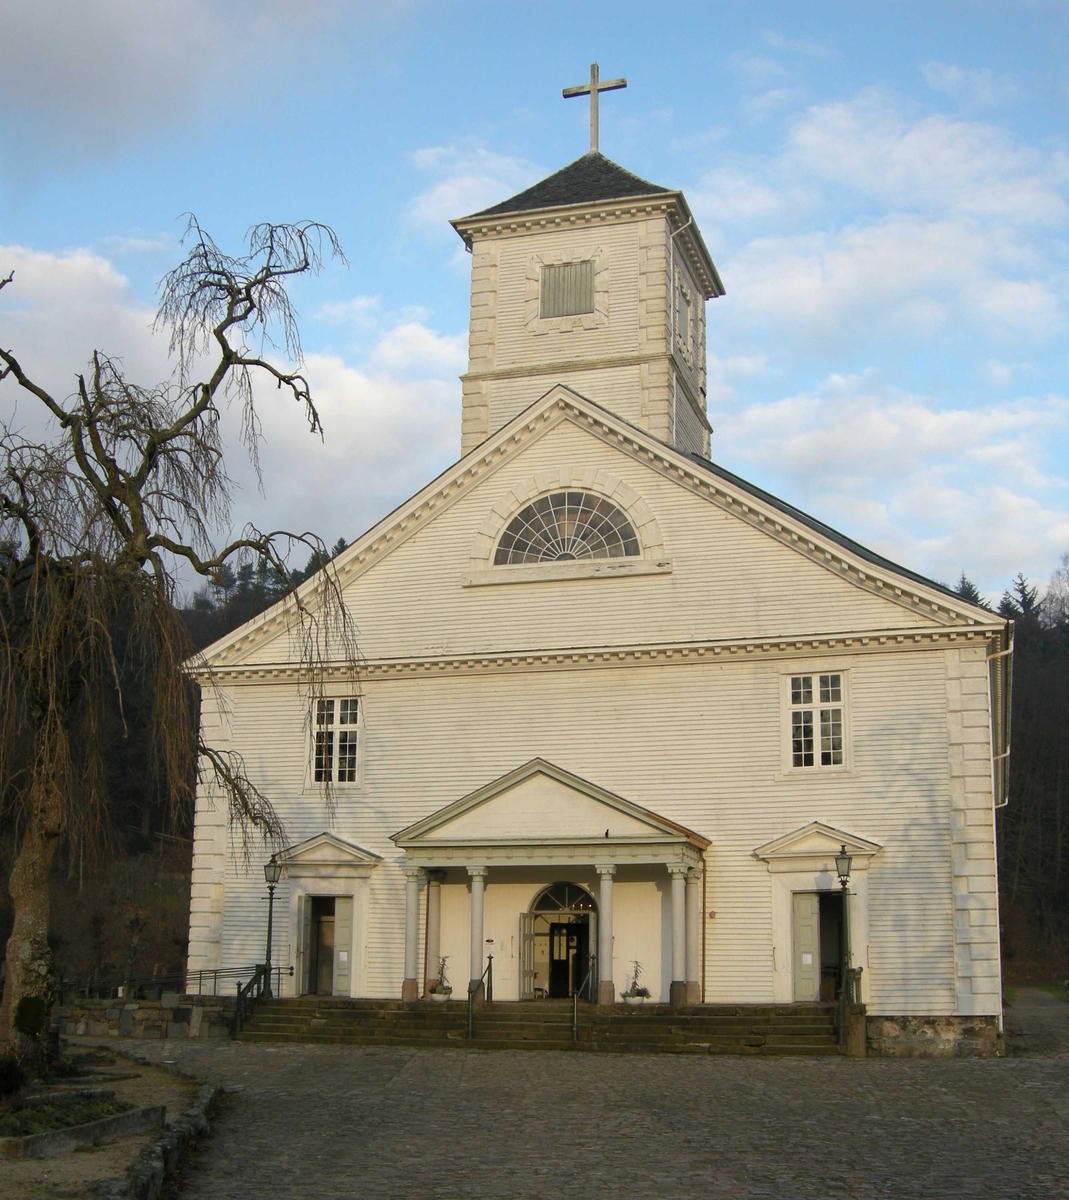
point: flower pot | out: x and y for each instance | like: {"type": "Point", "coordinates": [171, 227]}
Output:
{"type": "Point", "coordinates": [634, 999]}
{"type": "Point", "coordinates": [440, 997]}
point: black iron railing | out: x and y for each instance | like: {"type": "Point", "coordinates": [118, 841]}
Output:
{"type": "Point", "coordinates": [474, 985]}
{"type": "Point", "coordinates": [152, 987]}
{"type": "Point", "coordinates": [248, 994]}
{"type": "Point", "coordinates": [585, 986]}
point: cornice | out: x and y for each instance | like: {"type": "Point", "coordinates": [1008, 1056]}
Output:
{"type": "Point", "coordinates": [672, 205]}
{"type": "Point", "coordinates": [693, 653]}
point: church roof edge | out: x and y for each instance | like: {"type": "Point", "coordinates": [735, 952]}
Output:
{"type": "Point", "coordinates": [585, 181]}
{"type": "Point", "coordinates": [827, 531]}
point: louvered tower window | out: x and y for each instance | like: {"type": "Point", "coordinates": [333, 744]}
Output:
{"type": "Point", "coordinates": [567, 290]}
{"type": "Point", "coordinates": [564, 527]}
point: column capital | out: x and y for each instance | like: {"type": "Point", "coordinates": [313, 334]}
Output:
{"type": "Point", "coordinates": [677, 868]}
{"type": "Point", "coordinates": [477, 872]}
{"type": "Point", "coordinates": [415, 873]}
{"type": "Point", "coordinates": [694, 875]}
{"type": "Point", "coordinates": [435, 875]}
{"type": "Point", "coordinates": [606, 870]}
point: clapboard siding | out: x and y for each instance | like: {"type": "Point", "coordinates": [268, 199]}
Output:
{"type": "Point", "coordinates": [727, 580]}
{"type": "Point", "coordinates": [430, 740]}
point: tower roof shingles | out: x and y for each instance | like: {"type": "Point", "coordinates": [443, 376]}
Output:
{"type": "Point", "coordinates": [585, 181]}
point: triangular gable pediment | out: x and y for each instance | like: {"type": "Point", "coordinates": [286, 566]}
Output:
{"type": "Point", "coordinates": [809, 538]}
{"type": "Point", "coordinates": [326, 853]}
{"type": "Point", "coordinates": [814, 847]}
{"type": "Point", "coordinates": [542, 802]}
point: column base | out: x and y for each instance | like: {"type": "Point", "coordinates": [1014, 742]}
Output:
{"type": "Point", "coordinates": [410, 989]}
{"type": "Point", "coordinates": [677, 993]}
{"type": "Point", "coordinates": [694, 992]}
{"type": "Point", "coordinates": [606, 992]}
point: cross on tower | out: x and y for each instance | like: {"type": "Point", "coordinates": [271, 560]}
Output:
{"type": "Point", "coordinates": [592, 89]}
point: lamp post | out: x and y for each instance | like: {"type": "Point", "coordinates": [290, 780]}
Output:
{"type": "Point", "coordinates": [842, 869]}
{"type": "Point", "coordinates": [272, 874]}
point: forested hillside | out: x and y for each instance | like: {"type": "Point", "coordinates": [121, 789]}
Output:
{"type": "Point", "coordinates": [121, 901]}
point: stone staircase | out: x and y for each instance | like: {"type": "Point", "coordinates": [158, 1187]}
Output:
{"type": "Point", "coordinates": [547, 1025]}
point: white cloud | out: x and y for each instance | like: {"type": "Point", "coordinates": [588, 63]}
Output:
{"type": "Point", "coordinates": [759, 69]}
{"type": "Point", "coordinates": [937, 162]}
{"type": "Point", "coordinates": [773, 101]}
{"type": "Point", "coordinates": [939, 489]}
{"type": "Point", "coordinates": [901, 275]}
{"type": "Point", "coordinates": [86, 76]}
{"type": "Point", "coordinates": [60, 307]}
{"type": "Point", "coordinates": [801, 46]}
{"type": "Point", "coordinates": [995, 373]}
{"type": "Point", "coordinates": [981, 87]}
{"type": "Point", "coordinates": [466, 178]}
{"type": "Point", "coordinates": [391, 418]}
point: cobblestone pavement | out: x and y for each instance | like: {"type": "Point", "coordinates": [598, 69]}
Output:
{"type": "Point", "coordinates": [314, 1121]}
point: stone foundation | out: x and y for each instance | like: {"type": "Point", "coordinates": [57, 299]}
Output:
{"type": "Point", "coordinates": [173, 1016]}
{"type": "Point", "coordinates": [934, 1037]}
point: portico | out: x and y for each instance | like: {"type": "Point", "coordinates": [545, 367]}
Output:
{"type": "Point", "coordinates": [510, 842]}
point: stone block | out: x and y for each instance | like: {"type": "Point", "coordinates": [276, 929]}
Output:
{"type": "Point", "coordinates": [98, 1029]}
{"type": "Point", "coordinates": [169, 1000]}
{"type": "Point", "coordinates": [126, 1024]}
{"type": "Point", "coordinates": [178, 1029]}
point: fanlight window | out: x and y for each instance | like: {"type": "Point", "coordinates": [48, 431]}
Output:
{"type": "Point", "coordinates": [565, 527]}
{"type": "Point", "coordinates": [564, 897]}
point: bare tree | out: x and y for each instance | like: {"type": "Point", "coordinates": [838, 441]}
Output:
{"type": "Point", "coordinates": [96, 522]}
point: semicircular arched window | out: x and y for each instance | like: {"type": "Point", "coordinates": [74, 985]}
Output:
{"type": "Point", "coordinates": [566, 527]}
{"type": "Point", "coordinates": [564, 897]}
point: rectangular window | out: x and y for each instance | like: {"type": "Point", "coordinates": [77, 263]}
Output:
{"type": "Point", "coordinates": [817, 720]}
{"type": "Point", "coordinates": [684, 321]}
{"type": "Point", "coordinates": [566, 290]}
{"type": "Point", "coordinates": [336, 729]}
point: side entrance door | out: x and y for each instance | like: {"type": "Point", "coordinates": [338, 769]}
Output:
{"type": "Point", "coordinates": [806, 946]}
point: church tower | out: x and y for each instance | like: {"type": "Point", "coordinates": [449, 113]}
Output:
{"type": "Point", "coordinates": [596, 279]}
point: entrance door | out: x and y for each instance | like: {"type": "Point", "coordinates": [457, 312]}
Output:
{"type": "Point", "coordinates": [818, 942]}
{"type": "Point", "coordinates": [321, 945]}
{"type": "Point", "coordinates": [569, 952]}
{"type": "Point", "coordinates": [806, 950]}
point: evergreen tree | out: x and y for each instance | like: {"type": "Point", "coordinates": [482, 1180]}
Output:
{"type": "Point", "coordinates": [968, 590]}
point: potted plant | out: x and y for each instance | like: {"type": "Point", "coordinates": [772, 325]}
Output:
{"type": "Point", "coordinates": [635, 992]}
{"type": "Point", "coordinates": [440, 989]}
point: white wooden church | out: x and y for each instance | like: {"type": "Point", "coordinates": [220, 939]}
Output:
{"type": "Point", "coordinates": [616, 704]}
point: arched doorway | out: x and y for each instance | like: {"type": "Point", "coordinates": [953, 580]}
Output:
{"type": "Point", "coordinates": [557, 937]}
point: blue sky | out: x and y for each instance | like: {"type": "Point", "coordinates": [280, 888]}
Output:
{"type": "Point", "coordinates": [884, 187]}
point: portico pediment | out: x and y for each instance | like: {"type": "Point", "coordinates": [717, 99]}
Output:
{"type": "Point", "coordinates": [813, 848]}
{"type": "Point", "coordinates": [540, 806]}
{"type": "Point", "coordinates": [326, 854]}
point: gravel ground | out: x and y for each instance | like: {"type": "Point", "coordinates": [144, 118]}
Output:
{"type": "Point", "coordinates": [316, 1121]}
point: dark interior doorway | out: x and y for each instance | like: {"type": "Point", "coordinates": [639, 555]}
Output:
{"type": "Point", "coordinates": [831, 944]}
{"type": "Point", "coordinates": [321, 966]}
{"type": "Point", "coordinates": [569, 952]}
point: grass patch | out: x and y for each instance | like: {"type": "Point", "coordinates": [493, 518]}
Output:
{"type": "Point", "coordinates": [1009, 995]}
{"type": "Point", "coordinates": [61, 1112]}
{"type": "Point", "coordinates": [1056, 990]}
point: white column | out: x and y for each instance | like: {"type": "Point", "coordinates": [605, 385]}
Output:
{"type": "Point", "coordinates": [478, 882]}
{"type": "Point", "coordinates": [694, 913]}
{"type": "Point", "coordinates": [678, 988]}
{"type": "Point", "coordinates": [606, 985]}
{"type": "Point", "coordinates": [410, 987]}
{"type": "Point", "coordinates": [434, 927]}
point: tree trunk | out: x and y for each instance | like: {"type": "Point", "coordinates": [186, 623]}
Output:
{"type": "Point", "coordinates": [30, 967]}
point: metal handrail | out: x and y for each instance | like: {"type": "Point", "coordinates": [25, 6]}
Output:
{"type": "Point", "coordinates": [578, 992]}
{"type": "Point", "coordinates": [473, 988]}
{"type": "Point", "coordinates": [150, 987]}
{"type": "Point", "coordinates": [248, 994]}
